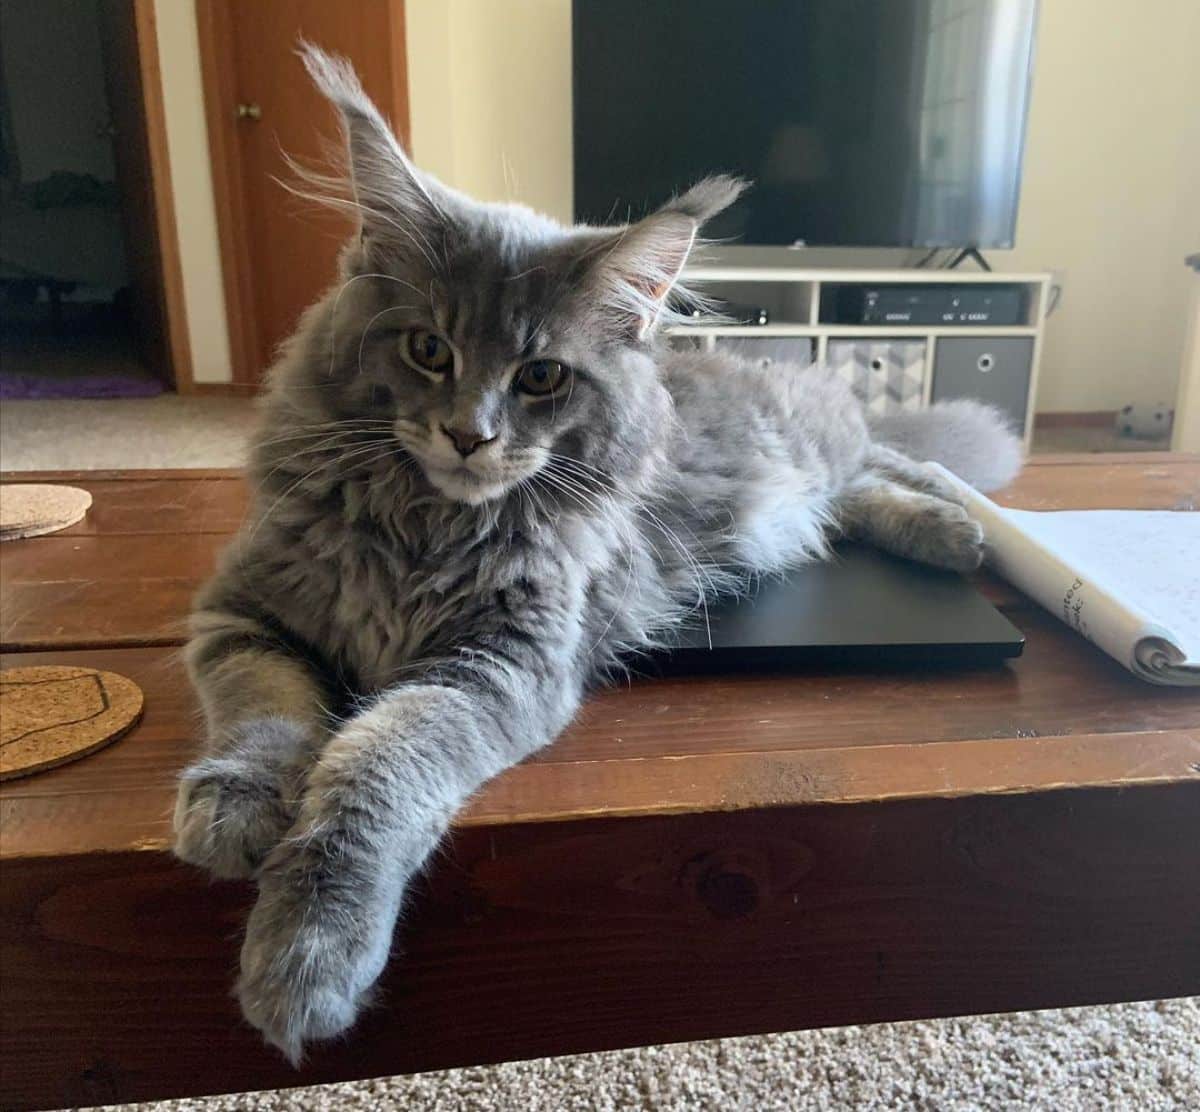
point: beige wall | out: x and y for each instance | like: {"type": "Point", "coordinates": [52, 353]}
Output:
{"type": "Point", "coordinates": [490, 97]}
{"type": "Point", "coordinates": [1111, 195]}
{"type": "Point", "coordinates": [191, 180]}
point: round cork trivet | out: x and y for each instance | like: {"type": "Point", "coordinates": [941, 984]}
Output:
{"type": "Point", "coordinates": [31, 509]}
{"type": "Point", "coordinates": [53, 714]}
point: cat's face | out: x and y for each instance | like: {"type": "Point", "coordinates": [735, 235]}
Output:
{"type": "Point", "coordinates": [480, 422]}
{"type": "Point", "coordinates": [505, 352]}
{"type": "Point", "coordinates": [493, 371]}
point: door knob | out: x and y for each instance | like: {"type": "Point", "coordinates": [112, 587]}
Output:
{"type": "Point", "coordinates": [249, 112]}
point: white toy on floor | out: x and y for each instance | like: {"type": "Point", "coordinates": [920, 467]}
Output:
{"type": "Point", "coordinates": [1145, 422]}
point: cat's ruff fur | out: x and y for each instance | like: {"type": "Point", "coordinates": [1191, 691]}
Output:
{"type": "Point", "coordinates": [398, 623]}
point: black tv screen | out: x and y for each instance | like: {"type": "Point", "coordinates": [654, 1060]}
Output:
{"type": "Point", "coordinates": [860, 122]}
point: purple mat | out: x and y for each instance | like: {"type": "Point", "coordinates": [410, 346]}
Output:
{"type": "Point", "coordinates": [13, 385]}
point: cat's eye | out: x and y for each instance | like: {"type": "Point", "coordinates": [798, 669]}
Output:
{"type": "Point", "coordinates": [426, 351]}
{"type": "Point", "coordinates": [541, 377]}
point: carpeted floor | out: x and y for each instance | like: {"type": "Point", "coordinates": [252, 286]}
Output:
{"type": "Point", "coordinates": [91, 434]}
{"type": "Point", "coordinates": [1143, 1057]}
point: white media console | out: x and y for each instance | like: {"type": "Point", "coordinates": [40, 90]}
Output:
{"type": "Point", "coordinates": [891, 366]}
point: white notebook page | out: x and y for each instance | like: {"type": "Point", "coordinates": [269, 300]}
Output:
{"type": "Point", "coordinates": [1150, 559]}
{"type": "Point", "coordinates": [1127, 580]}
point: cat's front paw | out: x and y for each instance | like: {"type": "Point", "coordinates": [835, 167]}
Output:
{"type": "Point", "coordinates": [231, 810]}
{"type": "Point", "coordinates": [315, 944]}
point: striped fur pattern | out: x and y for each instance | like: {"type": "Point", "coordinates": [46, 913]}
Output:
{"type": "Point", "coordinates": [399, 622]}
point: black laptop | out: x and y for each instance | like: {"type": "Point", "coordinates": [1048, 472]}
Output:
{"type": "Point", "coordinates": [863, 607]}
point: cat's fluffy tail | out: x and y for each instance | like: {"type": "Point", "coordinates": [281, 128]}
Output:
{"type": "Point", "coordinates": [969, 438]}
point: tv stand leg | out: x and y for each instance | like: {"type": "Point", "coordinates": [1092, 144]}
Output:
{"type": "Point", "coordinates": [965, 254]}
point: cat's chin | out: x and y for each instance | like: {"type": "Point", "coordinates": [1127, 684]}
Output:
{"type": "Point", "coordinates": [460, 485]}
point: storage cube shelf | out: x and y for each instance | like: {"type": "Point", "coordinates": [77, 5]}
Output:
{"type": "Point", "coordinates": [891, 366]}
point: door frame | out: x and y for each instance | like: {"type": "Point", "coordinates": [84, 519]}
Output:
{"type": "Point", "coordinates": [1186, 437]}
{"type": "Point", "coordinates": [218, 74]}
{"type": "Point", "coordinates": [170, 260]}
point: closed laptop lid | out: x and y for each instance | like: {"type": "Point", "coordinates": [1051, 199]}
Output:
{"type": "Point", "coordinates": [861, 605]}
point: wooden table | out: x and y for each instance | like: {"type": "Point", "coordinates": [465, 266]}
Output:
{"type": "Point", "coordinates": [695, 858]}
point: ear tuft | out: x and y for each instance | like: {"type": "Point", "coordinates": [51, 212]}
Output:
{"type": "Point", "coordinates": [644, 261]}
{"type": "Point", "coordinates": [707, 197]}
{"type": "Point", "coordinates": [396, 204]}
{"type": "Point", "coordinates": [372, 146]}
{"type": "Point", "coordinates": [337, 81]}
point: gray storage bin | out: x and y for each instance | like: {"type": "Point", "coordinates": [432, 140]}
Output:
{"type": "Point", "coordinates": [888, 375]}
{"type": "Point", "coordinates": [993, 370]}
{"type": "Point", "coordinates": [767, 350]}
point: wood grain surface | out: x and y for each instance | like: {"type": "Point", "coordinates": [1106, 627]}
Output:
{"type": "Point", "coordinates": [644, 739]}
{"type": "Point", "coordinates": [126, 575]}
{"type": "Point", "coordinates": [694, 858]}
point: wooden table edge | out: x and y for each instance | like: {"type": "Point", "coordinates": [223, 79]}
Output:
{"type": "Point", "coordinates": [836, 776]}
{"type": "Point", "coordinates": [1108, 459]}
{"type": "Point", "coordinates": [668, 786]}
{"type": "Point", "coordinates": [114, 475]}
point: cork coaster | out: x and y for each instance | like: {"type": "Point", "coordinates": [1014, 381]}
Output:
{"type": "Point", "coordinates": [31, 509]}
{"type": "Point", "coordinates": [53, 714]}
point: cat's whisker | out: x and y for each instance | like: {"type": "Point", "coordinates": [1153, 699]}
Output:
{"type": "Point", "coordinates": [338, 299]}
{"type": "Point", "coordinates": [700, 578]}
{"type": "Point", "coordinates": [353, 457]}
{"type": "Point", "coordinates": [322, 427]}
{"type": "Point", "coordinates": [627, 535]}
{"type": "Point", "coordinates": [331, 437]}
{"type": "Point", "coordinates": [367, 329]}
{"type": "Point", "coordinates": [336, 191]}
{"type": "Point", "coordinates": [569, 464]}
{"type": "Point", "coordinates": [700, 575]}
{"type": "Point", "coordinates": [330, 444]}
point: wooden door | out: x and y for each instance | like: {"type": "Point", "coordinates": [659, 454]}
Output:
{"type": "Point", "coordinates": [279, 252]}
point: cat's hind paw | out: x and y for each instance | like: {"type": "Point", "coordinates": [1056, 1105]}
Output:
{"type": "Point", "coordinates": [950, 538]}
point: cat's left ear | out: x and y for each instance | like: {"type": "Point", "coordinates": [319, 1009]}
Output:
{"type": "Point", "coordinates": [394, 202]}
{"type": "Point", "coordinates": [639, 265]}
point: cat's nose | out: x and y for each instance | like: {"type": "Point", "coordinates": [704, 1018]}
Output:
{"type": "Point", "coordinates": [467, 440]}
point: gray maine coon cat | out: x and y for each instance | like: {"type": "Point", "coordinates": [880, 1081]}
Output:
{"type": "Point", "coordinates": [482, 480]}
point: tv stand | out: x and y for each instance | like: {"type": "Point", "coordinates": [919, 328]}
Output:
{"type": "Point", "coordinates": [966, 253]}
{"type": "Point", "coordinates": [893, 365]}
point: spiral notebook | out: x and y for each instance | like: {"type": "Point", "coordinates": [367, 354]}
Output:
{"type": "Point", "coordinates": [1127, 580]}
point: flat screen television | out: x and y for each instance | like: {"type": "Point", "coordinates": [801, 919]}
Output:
{"type": "Point", "coordinates": [867, 123]}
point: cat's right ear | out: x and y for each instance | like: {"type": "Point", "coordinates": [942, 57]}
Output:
{"type": "Point", "coordinates": [396, 205]}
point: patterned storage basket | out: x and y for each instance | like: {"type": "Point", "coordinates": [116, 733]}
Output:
{"type": "Point", "coordinates": [889, 375]}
